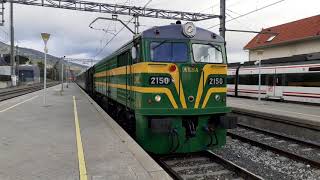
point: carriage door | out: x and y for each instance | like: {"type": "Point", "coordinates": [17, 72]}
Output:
{"type": "Point", "coordinates": [279, 81]}
{"type": "Point", "coordinates": [270, 83]}
{"type": "Point", "coordinates": [274, 84]}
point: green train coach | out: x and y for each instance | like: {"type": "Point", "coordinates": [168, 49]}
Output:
{"type": "Point", "coordinates": [166, 88]}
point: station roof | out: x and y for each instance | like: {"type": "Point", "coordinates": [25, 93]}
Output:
{"type": "Point", "coordinates": [303, 29]}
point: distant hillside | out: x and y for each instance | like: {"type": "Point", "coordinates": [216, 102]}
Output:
{"type": "Point", "coordinates": [35, 55]}
{"type": "Point", "coordinates": [30, 53]}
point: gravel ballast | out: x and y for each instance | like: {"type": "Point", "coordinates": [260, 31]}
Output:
{"type": "Point", "coordinates": [265, 163]}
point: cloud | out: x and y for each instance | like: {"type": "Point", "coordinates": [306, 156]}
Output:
{"type": "Point", "coordinates": [71, 35]}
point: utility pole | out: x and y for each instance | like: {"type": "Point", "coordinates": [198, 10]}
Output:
{"type": "Point", "coordinates": [222, 28]}
{"type": "Point", "coordinates": [13, 72]}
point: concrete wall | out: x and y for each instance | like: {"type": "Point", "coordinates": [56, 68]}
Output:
{"type": "Point", "coordinates": [303, 47]}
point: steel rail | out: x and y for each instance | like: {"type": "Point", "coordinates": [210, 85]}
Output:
{"type": "Point", "coordinates": [288, 154]}
{"type": "Point", "coordinates": [282, 136]}
{"type": "Point", "coordinates": [212, 156]}
{"type": "Point", "coordinates": [238, 169]}
{"type": "Point", "coordinates": [168, 169]}
{"type": "Point", "coordinates": [15, 92]}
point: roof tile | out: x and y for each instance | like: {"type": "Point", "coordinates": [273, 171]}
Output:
{"type": "Point", "coordinates": [292, 31]}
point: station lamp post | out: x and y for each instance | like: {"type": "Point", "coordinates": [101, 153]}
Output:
{"type": "Point", "coordinates": [45, 37]}
{"type": "Point", "coordinates": [260, 53]}
{"type": "Point", "coordinates": [62, 72]}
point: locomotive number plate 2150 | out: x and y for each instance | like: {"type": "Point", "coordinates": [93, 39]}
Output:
{"type": "Point", "coordinates": [159, 80]}
{"type": "Point", "coordinates": [216, 81]}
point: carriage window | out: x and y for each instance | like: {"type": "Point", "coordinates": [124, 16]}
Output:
{"type": "Point", "coordinates": [252, 79]}
{"type": "Point", "coordinates": [207, 53]}
{"type": "Point", "coordinates": [169, 52]}
{"type": "Point", "coordinates": [231, 79]}
{"type": "Point", "coordinates": [303, 79]}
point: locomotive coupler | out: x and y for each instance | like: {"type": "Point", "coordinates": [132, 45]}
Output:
{"type": "Point", "coordinates": [190, 128]}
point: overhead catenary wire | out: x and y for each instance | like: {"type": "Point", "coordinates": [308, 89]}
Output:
{"type": "Point", "coordinates": [102, 49]}
{"type": "Point", "coordinates": [217, 4]}
{"type": "Point", "coordinates": [250, 12]}
{"type": "Point", "coordinates": [238, 21]}
{"type": "Point", "coordinates": [107, 31]}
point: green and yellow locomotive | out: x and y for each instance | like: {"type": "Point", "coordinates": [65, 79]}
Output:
{"type": "Point", "coordinates": [167, 88]}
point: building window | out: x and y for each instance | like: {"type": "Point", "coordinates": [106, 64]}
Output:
{"type": "Point", "coordinates": [270, 38]}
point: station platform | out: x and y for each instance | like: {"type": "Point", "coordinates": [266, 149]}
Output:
{"type": "Point", "coordinates": [302, 114]}
{"type": "Point", "coordinates": [70, 138]}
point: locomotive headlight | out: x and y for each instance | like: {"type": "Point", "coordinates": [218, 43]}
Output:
{"type": "Point", "coordinates": [189, 29]}
{"type": "Point", "coordinates": [157, 98]}
{"type": "Point", "coordinates": [217, 97]}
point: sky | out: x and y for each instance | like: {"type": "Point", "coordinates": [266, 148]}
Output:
{"type": "Point", "coordinates": [72, 37]}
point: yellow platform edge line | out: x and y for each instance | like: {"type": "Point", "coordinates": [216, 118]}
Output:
{"type": "Point", "coordinates": [82, 163]}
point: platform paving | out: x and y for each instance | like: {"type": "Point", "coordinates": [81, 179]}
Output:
{"type": "Point", "coordinates": [40, 142]}
{"type": "Point", "coordinates": [301, 113]}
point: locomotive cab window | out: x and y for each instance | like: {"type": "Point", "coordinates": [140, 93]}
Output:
{"type": "Point", "coordinates": [168, 51]}
{"type": "Point", "coordinates": [207, 53]}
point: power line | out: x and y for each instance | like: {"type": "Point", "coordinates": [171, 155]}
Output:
{"type": "Point", "coordinates": [147, 4]}
{"type": "Point", "coordinates": [233, 12]}
{"type": "Point", "coordinates": [107, 31]}
{"type": "Point", "coordinates": [101, 50]}
{"type": "Point", "coordinates": [238, 21]}
{"type": "Point", "coordinates": [234, 3]}
{"type": "Point", "coordinates": [250, 12]}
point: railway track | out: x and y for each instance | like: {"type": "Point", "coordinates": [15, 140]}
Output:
{"type": "Point", "coordinates": [203, 165]}
{"type": "Point", "coordinates": [293, 148]}
{"type": "Point", "coordinates": [18, 91]}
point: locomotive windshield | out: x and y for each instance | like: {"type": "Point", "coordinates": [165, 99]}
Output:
{"type": "Point", "coordinates": [207, 53]}
{"type": "Point", "coordinates": [169, 51]}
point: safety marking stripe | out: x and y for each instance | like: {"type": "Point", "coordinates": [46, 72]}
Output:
{"type": "Point", "coordinates": [18, 104]}
{"type": "Point", "coordinates": [82, 163]}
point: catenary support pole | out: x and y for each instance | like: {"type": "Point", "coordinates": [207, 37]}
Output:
{"type": "Point", "coordinates": [136, 24]}
{"type": "Point", "coordinates": [222, 28]}
{"type": "Point", "coordinates": [13, 73]}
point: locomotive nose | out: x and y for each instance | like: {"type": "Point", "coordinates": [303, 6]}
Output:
{"type": "Point", "coordinates": [190, 79]}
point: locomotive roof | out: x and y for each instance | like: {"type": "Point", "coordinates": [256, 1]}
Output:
{"type": "Point", "coordinates": [174, 31]}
